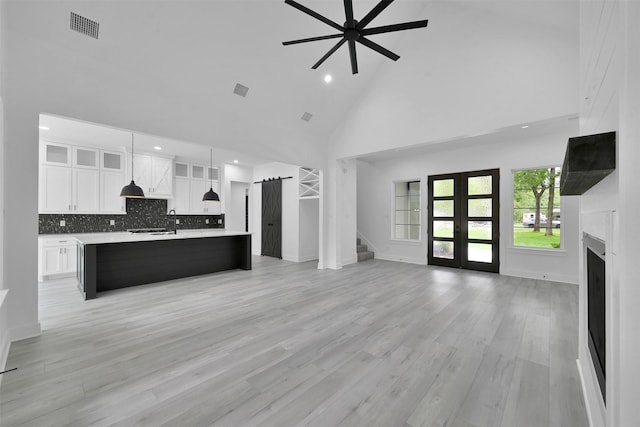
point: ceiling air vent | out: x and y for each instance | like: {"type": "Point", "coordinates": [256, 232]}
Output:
{"type": "Point", "coordinates": [84, 25]}
{"type": "Point", "coordinates": [241, 90]}
{"type": "Point", "coordinates": [307, 117]}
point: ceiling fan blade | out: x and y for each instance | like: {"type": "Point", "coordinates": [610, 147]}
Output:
{"type": "Point", "coordinates": [352, 56]}
{"type": "Point", "coordinates": [348, 13]}
{"type": "Point", "coordinates": [314, 14]}
{"type": "Point", "coordinates": [312, 39]}
{"type": "Point", "coordinates": [375, 46]}
{"type": "Point", "coordinates": [373, 13]}
{"type": "Point", "coordinates": [395, 27]}
{"type": "Point", "coordinates": [328, 54]}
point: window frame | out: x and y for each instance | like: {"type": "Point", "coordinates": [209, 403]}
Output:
{"type": "Point", "coordinates": [532, 249]}
{"type": "Point", "coordinates": [394, 211]}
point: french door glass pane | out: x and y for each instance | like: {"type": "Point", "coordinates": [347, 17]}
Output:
{"type": "Point", "coordinates": [479, 230]}
{"type": "Point", "coordinates": [479, 185]}
{"type": "Point", "coordinates": [480, 252]}
{"type": "Point", "coordinates": [443, 229]}
{"type": "Point", "coordinates": [443, 249]}
{"type": "Point", "coordinates": [414, 188]}
{"type": "Point", "coordinates": [442, 208]}
{"type": "Point", "coordinates": [479, 207]}
{"type": "Point", "coordinates": [443, 188]}
{"type": "Point", "coordinates": [414, 217]}
{"type": "Point", "coordinates": [402, 232]}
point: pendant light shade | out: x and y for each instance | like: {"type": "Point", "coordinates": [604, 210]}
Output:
{"type": "Point", "coordinates": [211, 196]}
{"type": "Point", "coordinates": [132, 191]}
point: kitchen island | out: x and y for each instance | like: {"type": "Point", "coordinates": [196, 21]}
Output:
{"type": "Point", "coordinates": [108, 261]}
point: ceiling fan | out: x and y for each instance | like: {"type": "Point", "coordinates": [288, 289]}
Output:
{"type": "Point", "coordinates": [354, 31]}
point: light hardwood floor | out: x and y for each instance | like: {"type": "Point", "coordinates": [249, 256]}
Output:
{"type": "Point", "coordinates": [375, 344]}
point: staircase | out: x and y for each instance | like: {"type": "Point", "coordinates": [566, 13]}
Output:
{"type": "Point", "coordinates": [363, 252]}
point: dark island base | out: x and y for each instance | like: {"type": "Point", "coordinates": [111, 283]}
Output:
{"type": "Point", "coordinates": [108, 266]}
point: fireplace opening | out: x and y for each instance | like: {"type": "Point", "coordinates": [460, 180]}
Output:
{"type": "Point", "coordinates": [596, 308]}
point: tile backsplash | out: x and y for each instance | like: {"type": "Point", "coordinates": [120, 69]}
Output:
{"type": "Point", "coordinates": [141, 213]}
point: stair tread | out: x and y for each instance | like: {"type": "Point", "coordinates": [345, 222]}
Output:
{"type": "Point", "coordinates": [363, 256]}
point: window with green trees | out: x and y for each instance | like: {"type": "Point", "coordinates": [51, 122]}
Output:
{"type": "Point", "coordinates": [536, 208]}
{"type": "Point", "coordinates": [407, 210]}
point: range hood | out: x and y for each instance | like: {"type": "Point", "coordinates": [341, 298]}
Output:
{"type": "Point", "coordinates": [588, 160]}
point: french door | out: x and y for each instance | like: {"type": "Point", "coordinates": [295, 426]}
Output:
{"type": "Point", "coordinates": [464, 226]}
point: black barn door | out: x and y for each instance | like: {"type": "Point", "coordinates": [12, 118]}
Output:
{"type": "Point", "coordinates": [272, 218]}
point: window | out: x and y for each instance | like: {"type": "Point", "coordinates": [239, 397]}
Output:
{"type": "Point", "coordinates": [536, 208]}
{"type": "Point", "coordinates": [407, 210]}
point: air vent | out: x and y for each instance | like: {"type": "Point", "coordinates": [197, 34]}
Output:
{"type": "Point", "coordinates": [307, 117]}
{"type": "Point", "coordinates": [241, 90]}
{"type": "Point", "coordinates": [84, 25]}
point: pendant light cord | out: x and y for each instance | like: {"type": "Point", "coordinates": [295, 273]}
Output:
{"type": "Point", "coordinates": [211, 167]}
{"type": "Point", "coordinates": [131, 156]}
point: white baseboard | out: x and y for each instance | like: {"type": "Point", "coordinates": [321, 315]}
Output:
{"type": "Point", "coordinates": [584, 393]}
{"type": "Point", "coordinates": [4, 353]}
{"type": "Point", "coordinates": [25, 331]}
{"type": "Point", "coordinates": [306, 258]}
{"type": "Point", "coordinates": [388, 257]}
{"type": "Point", "coordinates": [563, 278]}
{"type": "Point", "coordinates": [350, 260]}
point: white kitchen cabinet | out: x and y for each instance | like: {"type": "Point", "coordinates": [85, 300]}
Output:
{"type": "Point", "coordinates": [112, 179]}
{"type": "Point", "coordinates": [86, 188]}
{"type": "Point", "coordinates": [69, 179]}
{"type": "Point", "coordinates": [56, 189]}
{"type": "Point", "coordinates": [57, 256]}
{"type": "Point", "coordinates": [154, 175]}
{"type": "Point", "coordinates": [181, 200]}
{"type": "Point", "coordinates": [111, 184]}
{"type": "Point", "coordinates": [192, 180]}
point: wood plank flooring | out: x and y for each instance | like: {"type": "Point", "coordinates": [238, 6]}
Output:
{"type": "Point", "coordinates": [375, 344]}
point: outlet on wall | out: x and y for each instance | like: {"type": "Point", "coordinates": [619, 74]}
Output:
{"type": "Point", "coordinates": [177, 221]}
{"type": "Point", "coordinates": [206, 221]}
{"type": "Point", "coordinates": [219, 220]}
{"type": "Point", "coordinates": [112, 222]}
{"type": "Point", "coordinates": [63, 223]}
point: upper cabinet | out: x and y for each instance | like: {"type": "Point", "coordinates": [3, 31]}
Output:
{"type": "Point", "coordinates": [154, 175]}
{"type": "Point", "coordinates": [112, 179]}
{"type": "Point", "coordinates": [192, 180]}
{"type": "Point", "coordinates": [69, 179]}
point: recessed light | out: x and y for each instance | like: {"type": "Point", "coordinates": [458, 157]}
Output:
{"type": "Point", "coordinates": [525, 126]}
{"type": "Point", "coordinates": [235, 161]}
{"type": "Point", "coordinates": [328, 78]}
{"type": "Point", "coordinates": [157, 147]}
{"type": "Point", "coordinates": [44, 128]}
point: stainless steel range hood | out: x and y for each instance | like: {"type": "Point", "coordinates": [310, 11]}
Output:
{"type": "Point", "coordinates": [588, 160]}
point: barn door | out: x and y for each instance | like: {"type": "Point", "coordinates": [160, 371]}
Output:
{"type": "Point", "coordinates": [272, 218]}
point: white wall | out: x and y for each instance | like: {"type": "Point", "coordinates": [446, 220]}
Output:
{"type": "Point", "coordinates": [235, 215]}
{"type": "Point", "coordinates": [610, 101]}
{"type": "Point", "coordinates": [484, 73]}
{"type": "Point", "coordinates": [375, 201]}
{"type": "Point", "coordinates": [290, 212]}
{"type": "Point", "coordinates": [236, 174]}
{"type": "Point", "coordinates": [309, 230]}
{"type": "Point", "coordinates": [4, 326]}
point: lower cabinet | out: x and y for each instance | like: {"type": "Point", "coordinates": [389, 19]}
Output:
{"type": "Point", "coordinates": [57, 255]}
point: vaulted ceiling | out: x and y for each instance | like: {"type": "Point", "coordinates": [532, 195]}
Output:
{"type": "Point", "coordinates": [170, 67]}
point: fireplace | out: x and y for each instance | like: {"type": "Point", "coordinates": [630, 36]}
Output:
{"type": "Point", "coordinates": [596, 324]}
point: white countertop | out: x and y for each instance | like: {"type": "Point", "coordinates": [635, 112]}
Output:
{"type": "Point", "coordinates": [125, 236]}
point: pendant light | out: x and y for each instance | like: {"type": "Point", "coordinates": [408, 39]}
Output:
{"type": "Point", "coordinates": [132, 191]}
{"type": "Point", "coordinates": [211, 196]}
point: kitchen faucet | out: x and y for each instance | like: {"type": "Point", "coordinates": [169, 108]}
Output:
{"type": "Point", "coordinates": [175, 221]}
